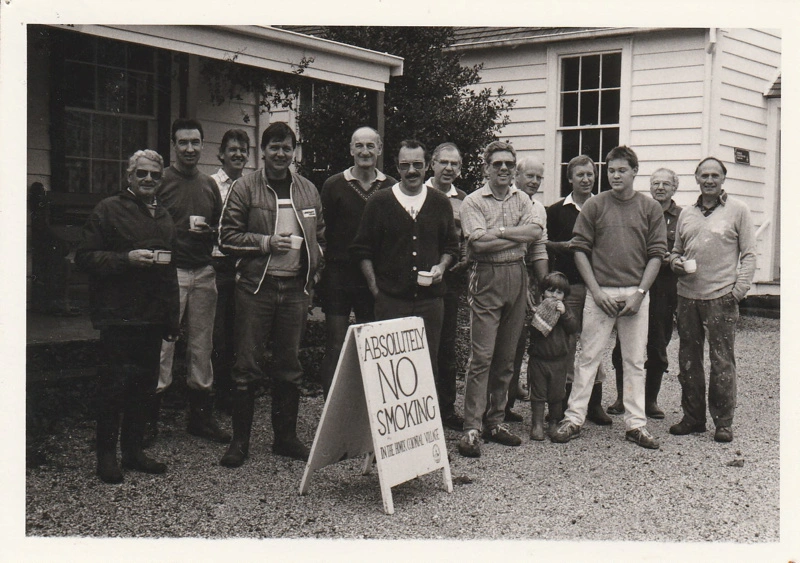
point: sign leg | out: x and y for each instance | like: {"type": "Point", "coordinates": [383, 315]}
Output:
{"type": "Point", "coordinates": [366, 467]}
{"type": "Point", "coordinates": [448, 481]}
{"type": "Point", "coordinates": [386, 493]}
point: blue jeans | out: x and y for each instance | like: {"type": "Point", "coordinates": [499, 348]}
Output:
{"type": "Point", "coordinates": [276, 314]}
{"type": "Point", "coordinates": [719, 317]}
{"type": "Point", "coordinates": [198, 297]}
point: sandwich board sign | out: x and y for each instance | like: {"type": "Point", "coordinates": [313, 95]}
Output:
{"type": "Point", "coordinates": [383, 402]}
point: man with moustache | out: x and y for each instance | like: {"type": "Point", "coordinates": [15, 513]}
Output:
{"type": "Point", "coordinates": [446, 167]}
{"type": "Point", "coordinates": [344, 290]}
{"type": "Point", "coordinates": [498, 223]}
{"type": "Point", "coordinates": [273, 224]}
{"type": "Point", "coordinates": [717, 233]}
{"type": "Point", "coordinates": [663, 303]}
{"type": "Point", "coordinates": [187, 192]}
{"type": "Point", "coordinates": [619, 243]}
{"type": "Point", "coordinates": [233, 154]}
{"type": "Point", "coordinates": [406, 230]}
{"type": "Point", "coordinates": [561, 217]}
{"type": "Point", "coordinates": [530, 174]}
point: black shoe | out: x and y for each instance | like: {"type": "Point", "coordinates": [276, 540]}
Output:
{"type": "Point", "coordinates": [501, 435]}
{"type": "Point", "coordinates": [107, 468]}
{"type": "Point", "coordinates": [653, 411]}
{"type": "Point", "coordinates": [138, 461]}
{"type": "Point", "coordinates": [511, 416]}
{"type": "Point", "coordinates": [470, 444]}
{"type": "Point", "coordinates": [723, 434]}
{"type": "Point", "coordinates": [595, 411]}
{"type": "Point", "coordinates": [292, 448]}
{"type": "Point", "coordinates": [642, 437]}
{"type": "Point", "coordinates": [209, 430]}
{"type": "Point", "coordinates": [453, 421]}
{"type": "Point", "coordinates": [235, 455]}
{"type": "Point", "coordinates": [617, 407]}
{"type": "Point", "coordinates": [685, 427]}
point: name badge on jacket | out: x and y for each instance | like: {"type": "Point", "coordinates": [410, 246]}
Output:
{"type": "Point", "coordinates": [309, 212]}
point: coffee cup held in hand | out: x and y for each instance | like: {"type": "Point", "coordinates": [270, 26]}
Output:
{"type": "Point", "coordinates": [690, 266]}
{"type": "Point", "coordinates": [424, 278]}
{"type": "Point", "coordinates": [162, 256]}
{"type": "Point", "coordinates": [194, 220]}
{"type": "Point", "coordinates": [297, 242]}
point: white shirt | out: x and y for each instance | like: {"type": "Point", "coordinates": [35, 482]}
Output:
{"type": "Point", "coordinates": [411, 203]}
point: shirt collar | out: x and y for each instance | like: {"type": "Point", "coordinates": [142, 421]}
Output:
{"type": "Point", "coordinates": [453, 192]}
{"type": "Point", "coordinates": [379, 176]}
{"type": "Point", "coordinates": [223, 176]}
{"type": "Point", "coordinates": [486, 191]}
{"type": "Point", "coordinates": [721, 199]}
{"type": "Point", "coordinates": [570, 201]}
{"type": "Point", "coordinates": [673, 208]}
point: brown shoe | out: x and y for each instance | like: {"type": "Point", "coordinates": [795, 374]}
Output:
{"type": "Point", "coordinates": [723, 434]}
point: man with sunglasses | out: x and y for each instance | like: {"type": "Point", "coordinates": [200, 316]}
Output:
{"type": "Point", "coordinates": [194, 202]}
{"type": "Point", "coordinates": [499, 223]}
{"type": "Point", "coordinates": [407, 230]}
{"type": "Point", "coordinates": [344, 196]}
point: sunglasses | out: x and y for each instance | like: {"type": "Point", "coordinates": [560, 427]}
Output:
{"type": "Point", "coordinates": [404, 166]}
{"type": "Point", "coordinates": [498, 164]}
{"type": "Point", "coordinates": [142, 174]}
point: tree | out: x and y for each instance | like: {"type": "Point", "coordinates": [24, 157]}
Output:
{"type": "Point", "coordinates": [436, 100]}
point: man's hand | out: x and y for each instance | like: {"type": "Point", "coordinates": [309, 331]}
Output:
{"type": "Point", "coordinates": [606, 303]}
{"type": "Point", "coordinates": [201, 228]}
{"type": "Point", "coordinates": [632, 304]}
{"type": "Point", "coordinates": [437, 273]}
{"type": "Point", "coordinates": [459, 266]}
{"type": "Point", "coordinates": [141, 258]}
{"type": "Point", "coordinates": [677, 266]}
{"type": "Point", "coordinates": [171, 337]}
{"type": "Point", "coordinates": [280, 244]}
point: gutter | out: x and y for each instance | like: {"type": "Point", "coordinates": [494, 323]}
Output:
{"type": "Point", "coordinates": [708, 84]}
{"type": "Point", "coordinates": [551, 38]}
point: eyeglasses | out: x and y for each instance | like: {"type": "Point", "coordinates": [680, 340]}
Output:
{"type": "Point", "coordinates": [142, 174]}
{"type": "Point", "coordinates": [498, 164]}
{"type": "Point", "coordinates": [405, 166]}
{"type": "Point", "coordinates": [451, 163]}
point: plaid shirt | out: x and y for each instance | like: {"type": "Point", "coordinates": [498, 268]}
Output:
{"type": "Point", "coordinates": [721, 199]}
{"type": "Point", "coordinates": [482, 211]}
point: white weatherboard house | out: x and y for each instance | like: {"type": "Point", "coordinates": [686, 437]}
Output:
{"type": "Point", "coordinates": [673, 95]}
{"type": "Point", "coordinates": [97, 93]}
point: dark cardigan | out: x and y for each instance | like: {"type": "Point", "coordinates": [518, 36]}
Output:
{"type": "Point", "coordinates": [400, 246]}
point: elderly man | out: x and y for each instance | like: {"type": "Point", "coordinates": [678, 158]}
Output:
{"type": "Point", "coordinates": [498, 223]}
{"type": "Point", "coordinates": [272, 223]}
{"type": "Point", "coordinates": [446, 167]}
{"type": "Point", "coordinates": [406, 230]}
{"type": "Point", "coordinates": [530, 174]}
{"type": "Point", "coordinates": [344, 290]}
{"type": "Point", "coordinates": [619, 242]}
{"type": "Point", "coordinates": [561, 217]}
{"type": "Point", "coordinates": [126, 248]}
{"type": "Point", "coordinates": [663, 302]}
{"type": "Point", "coordinates": [233, 153]}
{"type": "Point", "coordinates": [715, 259]}
{"type": "Point", "coordinates": [193, 200]}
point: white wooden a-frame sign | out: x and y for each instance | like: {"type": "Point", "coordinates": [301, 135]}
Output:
{"type": "Point", "coordinates": [383, 400]}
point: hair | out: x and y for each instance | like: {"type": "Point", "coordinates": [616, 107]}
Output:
{"type": "Point", "coordinates": [148, 154]}
{"type": "Point", "coordinates": [715, 159]}
{"type": "Point", "coordinates": [675, 179]}
{"type": "Point", "coordinates": [238, 135]}
{"type": "Point", "coordinates": [443, 147]}
{"type": "Point", "coordinates": [623, 153]}
{"type": "Point", "coordinates": [497, 146]}
{"type": "Point", "coordinates": [377, 135]}
{"type": "Point", "coordinates": [278, 131]}
{"type": "Point", "coordinates": [528, 161]}
{"type": "Point", "coordinates": [412, 144]}
{"type": "Point", "coordinates": [555, 280]}
{"type": "Point", "coordinates": [580, 160]}
{"type": "Point", "coordinates": [186, 123]}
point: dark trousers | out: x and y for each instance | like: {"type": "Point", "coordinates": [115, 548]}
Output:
{"type": "Point", "coordinates": [547, 378]}
{"type": "Point", "coordinates": [222, 356]}
{"type": "Point", "coordinates": [719, 316]}
{"type": "Point", "coordinates": [277, 315]}
{"type": "Point", "coordinates": [447, 357]}
{"type": "Point", "coordinates": [432, 312]}
{"type": "Point", "coordinates": [663, 304]}
{"type": "Point", "coordinates": [132, 355]}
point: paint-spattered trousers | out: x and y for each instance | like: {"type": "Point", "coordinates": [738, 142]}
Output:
{"type": "Point", "coordinates": [719, 317]}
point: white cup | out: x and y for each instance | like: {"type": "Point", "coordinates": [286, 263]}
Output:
{"type": "Point", "coordinates": [194, 219]}
{"type": "Point", "coordinates": [297, 242]}
{"type": "Point", "coordinates": [424, 278]}
{"type": "Point", "coordinates": [690, 266]}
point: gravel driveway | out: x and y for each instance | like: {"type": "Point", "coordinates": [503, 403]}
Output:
{"type": "Point", "coordinates": [597, 487]}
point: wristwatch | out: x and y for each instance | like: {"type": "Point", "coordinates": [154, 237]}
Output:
{"type": "Point", "coordinates": [502, 231]}
{"type": "Point", "coordinates": [642, 291]}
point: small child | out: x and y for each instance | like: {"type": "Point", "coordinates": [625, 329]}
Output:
{"type": "Point", "coordinates": [548, 352]}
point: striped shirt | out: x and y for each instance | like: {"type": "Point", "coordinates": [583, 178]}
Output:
{"type": "Point", "coordinates": [482, 211]}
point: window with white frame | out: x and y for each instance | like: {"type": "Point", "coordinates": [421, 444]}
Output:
{"type": "Point", "coordinates": [109, 95]}
{"type": "Point", "coordinates": [590, 108]}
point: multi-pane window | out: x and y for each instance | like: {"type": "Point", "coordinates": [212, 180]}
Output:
{"type": "Point", "coordinates": [589, 121]}
{"type": "Point", "coordinates": [109, 94]}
